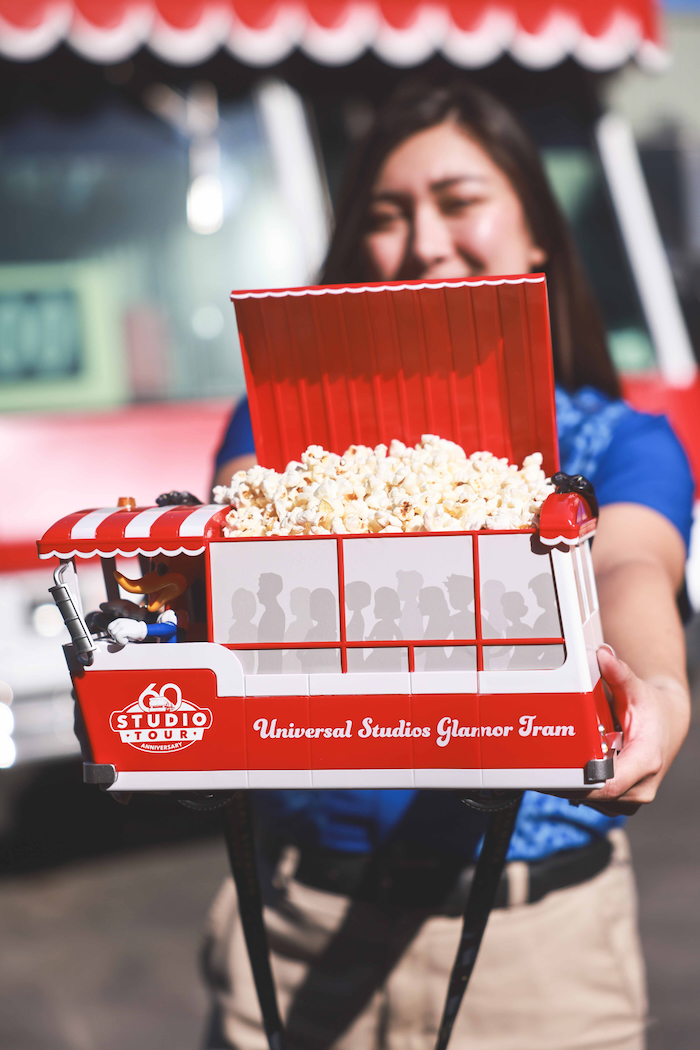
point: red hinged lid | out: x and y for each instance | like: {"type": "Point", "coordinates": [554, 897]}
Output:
{"type": "Point", "coordinates": [469, 360]}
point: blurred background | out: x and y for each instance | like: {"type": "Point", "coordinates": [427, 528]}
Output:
{"type": "Point", "coordinates": [152, 158]}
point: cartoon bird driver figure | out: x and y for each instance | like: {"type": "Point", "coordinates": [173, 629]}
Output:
{"type": "Point", "coordinates": [170, 587]}
{"type": "Point", "coordinates": [163, 586]}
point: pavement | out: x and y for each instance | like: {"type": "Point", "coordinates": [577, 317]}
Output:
{"type": "Point", "coordinates": [102, 954]}
{"type": "Point", "coordinates": [666, 849]}
{"type": "Point", "coordinates": [100, 929]}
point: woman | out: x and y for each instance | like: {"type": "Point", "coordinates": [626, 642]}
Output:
{"type": "Point", "coordinates": [449, 185]}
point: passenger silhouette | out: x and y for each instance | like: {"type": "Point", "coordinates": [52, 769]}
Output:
{"type": "Point", "coordinates": [299, 606]}
{"type": "Point", "coordinates": [272, 622]}
{"type": "Point", "coordinates": [514, 609]}
{"type": "Point", "coordinates": [493, 621]}
{"type": "Point", "coordinates": [433, 604]}
{"type": "Point", "coordinates": [243, 609]}
{"type": "Point", "coordinates": [323, 608]}
{"type": "Point", "coordinates": [358, 595]}
{"type": "Point", "coordinates": [408, 585]}
{"type": "Point", "coordinates": [548, 625]}
{"type": "Point", "coordinates": [302, 623]}
{"type": "Point", "coordinates": [460, 591]}
{"type": "Point", "coordinates": [387, 610]}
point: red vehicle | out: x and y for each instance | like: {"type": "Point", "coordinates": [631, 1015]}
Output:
{"type": "Point", "coordinates": [506, 694]}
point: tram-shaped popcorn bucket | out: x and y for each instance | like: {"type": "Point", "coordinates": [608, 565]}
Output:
{"type": "Point", "coordinates": [427, 660]}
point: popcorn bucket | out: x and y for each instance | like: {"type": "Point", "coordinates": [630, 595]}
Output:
{"type": "Point", "coordinates": [429, 660]}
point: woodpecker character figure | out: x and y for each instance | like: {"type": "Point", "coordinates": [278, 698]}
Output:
{"type": "Point", "coordinates": [165, 610]}
{"type": "Point", "coordinates": [162, 586]}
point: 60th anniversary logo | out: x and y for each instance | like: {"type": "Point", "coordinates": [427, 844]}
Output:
{"type": "Point", "coordinates": [160, 720]}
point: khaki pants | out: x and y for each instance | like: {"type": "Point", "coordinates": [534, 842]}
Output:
{"type": "Point", "coordinates": [565, 973]}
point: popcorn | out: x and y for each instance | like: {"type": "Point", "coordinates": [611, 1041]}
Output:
{"type": "Point", "coordinates": [433, 487]}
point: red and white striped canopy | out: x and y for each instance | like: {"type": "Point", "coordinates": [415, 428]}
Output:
{"type": "Point", "coordinates": [539, 34]}
{"type": "Point", "coordinates": [110, 531]}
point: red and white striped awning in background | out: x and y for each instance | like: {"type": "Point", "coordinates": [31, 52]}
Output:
{"type": "Point", "coordinates": [539, 34]}
{"type": "Point", "coordinates": [110, 531]}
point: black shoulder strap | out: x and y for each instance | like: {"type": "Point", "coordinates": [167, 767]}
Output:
{"type": "Point", "coordinates": [240, 843]}
{"type": "Point", "coordinates": [487, 876]}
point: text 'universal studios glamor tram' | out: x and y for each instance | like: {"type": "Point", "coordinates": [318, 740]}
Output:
{"type": "Point", "coordinates": [396, 660]}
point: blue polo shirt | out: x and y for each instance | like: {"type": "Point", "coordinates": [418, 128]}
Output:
{"type": "Point", "coordinates": [631, 457]}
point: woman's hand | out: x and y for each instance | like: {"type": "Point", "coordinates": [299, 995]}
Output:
{"type": "Point", "coordinates": [654, 716]}
{"type": "Point", "coordinates": [639, 560]}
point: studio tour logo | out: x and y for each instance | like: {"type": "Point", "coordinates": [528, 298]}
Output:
{"type": "Point", "coordinates": [161, 720]}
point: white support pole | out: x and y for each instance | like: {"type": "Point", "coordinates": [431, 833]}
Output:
{"type": "Point", "coordinates": [299, 176]}
{"type": "Point", "coordinates": [647, 256]}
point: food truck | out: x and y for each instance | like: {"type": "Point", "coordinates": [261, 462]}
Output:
{"type": "Point", "coordinates": [395, 660]}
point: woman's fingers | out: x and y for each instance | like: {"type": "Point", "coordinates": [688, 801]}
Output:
{"type": "Point", "coordinates": [639, 765]}
{"type": "Point", "coordinates": [616, 673]}
{"type": "Point", "coordinates": [653, 715]}
{"type": "Point", "coordinates": [637, 770]}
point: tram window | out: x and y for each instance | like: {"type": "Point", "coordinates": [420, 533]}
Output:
{"type": "Point", "coordinates": [382, 658]}
{"type": "Point", "coordinates": [580, 586]}
{"type": "Point", "coordinates": [249, 660]}
{"type": "Point", "coordinates": [300, 661]}
{"type": "Point", "coordinates": [518, 598]}
{"type": "Point", "coordinates": [289, 661]}
{"type": "Point", "coordinates": [523, 657]}
{"type": "Point", "coordinates": [286, 591]}
{"type": "Point", "coordinates": [589, 577]}
{"type": "Point", "coordinates": [437, 658]}
{"type": "Point", "coordinates": [386, 601]}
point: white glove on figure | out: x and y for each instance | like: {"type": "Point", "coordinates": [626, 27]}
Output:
{"type": "Point", "coordinates": [124, 630]}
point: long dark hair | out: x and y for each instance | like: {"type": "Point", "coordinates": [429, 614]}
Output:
{"type": "Point", "coordinates": [580, 349]}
